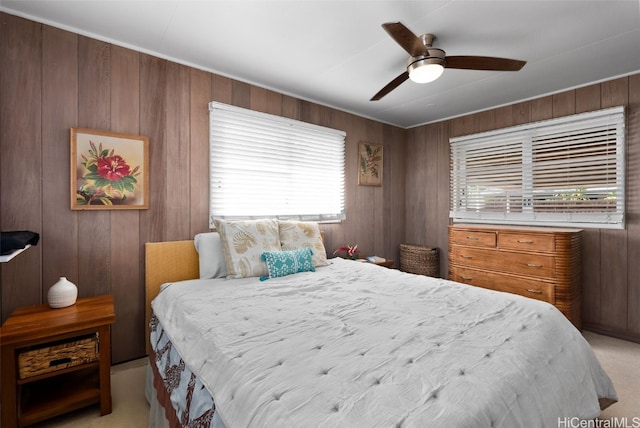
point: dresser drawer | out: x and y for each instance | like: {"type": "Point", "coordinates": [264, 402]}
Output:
{"type": "Point", "coordinates": [473, 238]}
{"type": "Point", "coordinates": [528, 287]}
{"type": "Point", "coordinates": [538, 265]}
{"type": "Point", "coordinates": [526, 242]}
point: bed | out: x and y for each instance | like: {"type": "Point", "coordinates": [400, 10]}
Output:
{"type": "Point", "coordinates": [351, 344]}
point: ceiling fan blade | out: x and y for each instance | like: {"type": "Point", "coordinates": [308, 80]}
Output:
{"type": "Point", "coordinates": [483, 63]}
{"type": "Point", "coordinates": [390, 86]}
{"type": "Point", "coordinates": [405, 38]}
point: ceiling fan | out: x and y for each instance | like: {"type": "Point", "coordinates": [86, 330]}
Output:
{"type": "Point", "coordinates": [427, 63]}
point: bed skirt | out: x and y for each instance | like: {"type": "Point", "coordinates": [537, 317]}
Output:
{"type": "Point", "coordinates": [176, 397]}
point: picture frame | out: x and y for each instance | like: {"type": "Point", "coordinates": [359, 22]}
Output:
{"type": "Point", "coordinates": [109, 170]}
{"type": "Point", "coordinates": [370, 164]}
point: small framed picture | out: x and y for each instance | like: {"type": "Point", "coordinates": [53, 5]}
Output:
{"type": "Point", "coordinates": [370, 158]}
{"type": "Point", "coordinates": [109, 171]}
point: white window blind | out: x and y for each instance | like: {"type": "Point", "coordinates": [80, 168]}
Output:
{"type": "Point", "coordinates": [568, 171]}
{"type": "Point", "coordinates": [263, 165]}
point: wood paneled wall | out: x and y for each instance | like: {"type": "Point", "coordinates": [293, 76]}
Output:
{"type": "Point", "coordinates": [52, 80]}
{"type": "Point", "coordinates": [611, 272]}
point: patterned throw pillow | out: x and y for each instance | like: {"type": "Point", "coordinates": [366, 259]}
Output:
{"type": "Point", "coordinates": [243, 243]}
{"type": "Point", "coordinates": [299, 234]}
{"type": "Point", "coordinates": [282, 263]}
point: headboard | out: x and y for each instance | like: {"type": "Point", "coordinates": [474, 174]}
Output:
{"type": "Point", "coordinates": [166, 262]}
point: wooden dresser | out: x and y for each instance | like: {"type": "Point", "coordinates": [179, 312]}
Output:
{"type": "Point", "coordinates": [537, 262]}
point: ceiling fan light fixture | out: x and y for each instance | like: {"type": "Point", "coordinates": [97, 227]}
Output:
{"type": "Point", "coordinates": [425, 70]}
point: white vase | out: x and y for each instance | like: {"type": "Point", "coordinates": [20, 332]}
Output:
{"type": "Point", "coordinates": [62, 294]}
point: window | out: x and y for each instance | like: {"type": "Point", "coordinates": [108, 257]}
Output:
{"type": "Point", "coordinates": [263, 165]}
{"type": "Point", "coordinates": [561, 172]}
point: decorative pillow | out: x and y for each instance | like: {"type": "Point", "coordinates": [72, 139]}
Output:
{"type": "Point", "coordinates": [299, 234]}
{"type": "Point", "coordinates": [211, 255]}
{"type": "Point", "coordinates": [282, 263]}
{"type": "Point", "coordinates": [243, 243]}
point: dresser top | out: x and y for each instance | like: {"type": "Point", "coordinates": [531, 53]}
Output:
{"type": "Point", "coordinates": [515, 228]}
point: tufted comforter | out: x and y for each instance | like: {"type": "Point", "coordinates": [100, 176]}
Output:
{"type": "Point", "coordinates": [357, 345]}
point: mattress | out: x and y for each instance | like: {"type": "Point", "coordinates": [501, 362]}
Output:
{"type": "Point", "coordinates": [357, 345]}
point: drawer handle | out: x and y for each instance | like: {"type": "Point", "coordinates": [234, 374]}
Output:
{"type": "Point", "coordinates": [530, 290]}
{"type": "Point", "coordinates": [533, 265]}
{"type": "Point", "coordinates": [472, 238]}
{"type": "Point", "coordinates": [466, 278]}
{"type": "Point", "coordinates": [53, 363]}
{"type": "Point", "coordinates": [525, 241]}
{"type": "Point", "coordinates": [464, 256]}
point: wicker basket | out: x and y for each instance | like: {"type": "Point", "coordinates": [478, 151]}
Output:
{"type": "Point", "coordinates": [57, 356]}
{"type": "Point", "coordinates": [419, 259]}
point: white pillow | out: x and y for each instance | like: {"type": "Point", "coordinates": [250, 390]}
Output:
{"type": "Point", "coordinates": [211, 255]}
{"type": "Point", "coordinates": [244, 241]}
{"type": "Point", "coordinates": [301, 234]}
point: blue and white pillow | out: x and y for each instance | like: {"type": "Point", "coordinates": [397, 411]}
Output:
{"type": "Point", "coordinates": [282, 263]}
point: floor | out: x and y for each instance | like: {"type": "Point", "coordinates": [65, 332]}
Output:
{"type": "Point", "coordinates": [129, 405]}
{"type": "Point", "coordinates": [619, 358]}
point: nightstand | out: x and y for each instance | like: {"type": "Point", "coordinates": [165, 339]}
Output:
{"type": "Point", "coordinates": [387, 263]}
{"type": "Point", "coordinates": [56, 360]}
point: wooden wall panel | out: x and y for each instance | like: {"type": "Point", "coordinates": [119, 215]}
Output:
{"type": "Point", "coordinates": [199, 151]}
{"type": "Point", "coordinates": [456, 127]}
{"type": "Point", "coordinates": [258, 99]}
{"type": "Point", "coordinates": [221, 89]}
{"type": "Point", "coordinates": [564, 103]}
{"type": "Point", "coordinates": [394, 202]}
{"type": "Point", "coordinates": [355, 195]}
{"type": "Point", "coordinates": [587, 98]}
{"type": "Point", "coordinates": [153, 76]}
{"type": "Point", "coordinates": [60, 112]}
{"type": "Point", "coordinates": [633, 207]}
{"type": "Point", "coordinates": [416, 180]}
{"type": "Point", "coordinates": [591, 268]}
{"type": "Point", "coordinates": [20, 154]}
{"type": "Point", "coordinates": [484, 121]}
{"type": "Point", "coordinates": [613, 243]}
{"type": "Point", "coordinates": [94, 227]}
{"type": "Point", "coordinates": [429, 186]}
{"type": "Point", "coordinates": [291, 108]}
{"type": "Point", "coordinates": [541, 109]}
{"type": "Point", "coordinates": [177, 142]}
{"type": "Point", "coordinates": [374, 244]}
{"type": "Point", "coordinates": [521, 113]}
{"type": "Point", "coordinates": [274, 103]}
{"type": "Point", "coordinates": [503, 117]}
{"type": "Point", "coordinates": [126, 252]}
{"type": "Point", "coordinates": [443, 154]}
{"type": "Point", "coordinates": [240, 94]}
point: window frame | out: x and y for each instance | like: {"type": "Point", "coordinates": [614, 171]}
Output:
{"type": "Point", "coordinates": [548, 149]}
{"type": "Point", "coordinates": [317, 160]}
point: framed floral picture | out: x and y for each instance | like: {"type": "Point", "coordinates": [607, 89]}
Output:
{"type": "Point", "coordinates": [370, 157]}
{"type": "Point", "coordinates": [109, 171]}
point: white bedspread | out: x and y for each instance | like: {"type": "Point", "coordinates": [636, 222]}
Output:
{"type": "Point", "coordinates": [357, 345]}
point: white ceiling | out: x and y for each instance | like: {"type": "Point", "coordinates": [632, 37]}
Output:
{"type": "Point", "coordinates": [337, 54]}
